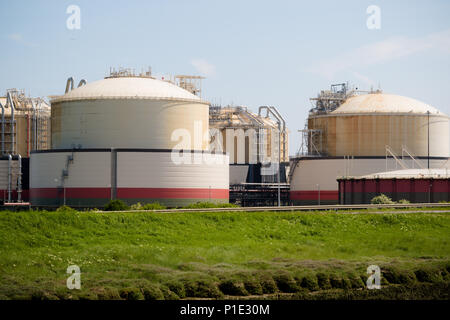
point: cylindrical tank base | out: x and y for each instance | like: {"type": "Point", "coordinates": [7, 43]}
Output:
{"type": "Point", "coordinates": [93, 177]}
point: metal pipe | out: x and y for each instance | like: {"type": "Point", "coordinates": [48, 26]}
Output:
{"type": "Point", "coordinates": [9, 177]}
{"type": "Point", "coordinates": [269, 110]}
{"type": "Point", "coordinates": [28, 134]}
{"type": "Point", "coordinates": [428, 158]}
{"type": "Point", "coordinates": [34, 125]}
{"type": "Point", "coordinates": [81, 83]}
{"type": "Point", "coordinates": [19, 180]}
{"type": "Point", "coordinates": [11, 105]}
{"type": "Point", "coordinates": [3, 129]}
{"type": "Point", "coordinates": [284, 130]}
{"type": "Point", "coordinates": [69, 82]}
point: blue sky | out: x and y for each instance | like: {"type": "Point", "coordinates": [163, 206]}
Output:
{"type": "Point", "coordinates": [253, 53]}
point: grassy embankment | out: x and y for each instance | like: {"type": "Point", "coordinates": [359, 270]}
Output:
{"type": "Point", "coordinates": [215, 255]}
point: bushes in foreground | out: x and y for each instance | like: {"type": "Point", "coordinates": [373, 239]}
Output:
{"type": "Point", "coordinates": [116, 205]}
{"type": "Point", "coordinates": [203, 205]}
{"type": "Point", "coordinates": [148, 206]}
{"type": "Point", "coordinates": [384, 199]}
{"type": "Point", "coordinates": [119, 205]}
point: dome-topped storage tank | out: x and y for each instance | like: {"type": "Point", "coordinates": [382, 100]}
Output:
{"type": "Point", "coordinates": [120, 138]}
{"type": "Point", "coordinates": [125, 112]}
{"type": "Point", "coordinates": [352, 133]}
{"type": "Point", "coordinates": [365, 124]}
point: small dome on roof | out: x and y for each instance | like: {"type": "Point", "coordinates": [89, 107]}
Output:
{"type": "Point", "coordinates": [129, 88]}
{"type": "Point", "coordinates": [384, 103]}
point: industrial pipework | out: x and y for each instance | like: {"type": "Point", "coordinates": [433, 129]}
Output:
{"type": "Point", "coordinates": [3, 129]}
{"type": "Point", "coordinates": [11, 105]}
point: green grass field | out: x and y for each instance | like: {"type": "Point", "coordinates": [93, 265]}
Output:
{"type": "Point", "coordinates": [223, 255]}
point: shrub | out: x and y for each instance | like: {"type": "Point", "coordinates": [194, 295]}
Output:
{"type": "Point", "coordinates": [177, 288]}
{"type": "Point", "coordinates": [131, 294]}
{"type": "Point", "coordinates": [336, 282]}
{"type": "Point", "coordinates": [233, 288]}
{"type": "Point", "coordinates": [357, 282]}
{"type": "Point", "coordinates": [153, 206]}
{"type": "Point", "coordinates": [286, 283]}
{"type": "Point", "coordinates": [403, 201]}
{"type": "Point", "coordinates": [136, 206]}
{"type": "Point", "coordinates": [381, 199]}
{"type": "Point", "coordinates": [65, 209]}
{"type": "Point", "coordinates": [346, 284]}
{"type": "Point", "coordinates": [152, 292]}
{"type": "Point", "coordinates": [396, 276]}
{"type": "Point", "coordinates": [253, 286]}
{"type": "Point", "coordinates": [168, 294]}
{"type": "Point", "coordinates": [425, 275]}
{"type": "Point", "coordinates": [203, 205]}
{"type": "Point", "coordinates": [309, 282]}
{"type": "Point", "coordinates": [108, 294]}
{"type": "Point", "coordinates": [268, 285]}
{"type": "Point", "coordinates": [201, 289]}
{"type": "Point", "coordinates": [323, 281]}
{"type": "Point", "coordinates": [116, 205]}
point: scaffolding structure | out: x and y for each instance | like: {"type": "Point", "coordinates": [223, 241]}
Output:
{"type": "Point", "coordinates": [193, 84]}
{"type": "Point", "coordinates": [25, 124]}
{"type": "Point", "coordinates": [266, 179]}
{"type": "Point", "coordinates": [329, 100]}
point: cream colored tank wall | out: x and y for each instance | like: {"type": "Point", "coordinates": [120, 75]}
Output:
{"type": "Point", "coordinates": [157, 170]}
{"type": "Point", "coordinates": [367, 135]}
{"type": "Point", "coordinates": [324, 172]}
{"type": "Point", "coordinates": [125, 123]}
{"type": "Point", "coordinates": [88, 169]}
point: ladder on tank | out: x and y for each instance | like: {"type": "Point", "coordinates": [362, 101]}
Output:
{"type": "Point", "coordinates": [65, 173]}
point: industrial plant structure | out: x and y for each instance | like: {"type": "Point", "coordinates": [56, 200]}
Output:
{"type": "Point", "coordinates": [353, 133]}
{"type": "Point", "coordinates": [139, 139]}
{"type": "Point", "coordinates": [257, 145]}
{"type": "Point", "coordinates": [130, 137]}
{"type": "Point", "coordinates": [25, 126]}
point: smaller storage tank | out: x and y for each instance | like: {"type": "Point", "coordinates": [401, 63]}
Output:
{"type": "Point", "coordinates": [248, 138]}
{"type": "Point", "coordinates": [24, 127]}
{"type": "Point", "coordinates": [413, 185]}
{"type": "Point", "coordinates": [25, 124]}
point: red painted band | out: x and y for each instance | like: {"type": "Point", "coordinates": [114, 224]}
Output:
{"type": "Point", "coordinates": [172, 193]}
{"type": "Point", "coordinates": [4, 195]}
{"type": "Point", "coordinates": [130, 193]}
{"type": "Point", "coordinates": [314, 195]}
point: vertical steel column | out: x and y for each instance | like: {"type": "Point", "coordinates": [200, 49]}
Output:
{"type": "Point", "coordinates": [428, 114]}
{"type": "Point", "coordinates": [3, 129]}
{"type": "Point", "coordinates": [9, 176]}
{"type": "Point", "coordinates": [113, 173]}
{"type": "Point", "coordinates": [12, 129]}
{"type": "Point", "coordinates": [19, 180]}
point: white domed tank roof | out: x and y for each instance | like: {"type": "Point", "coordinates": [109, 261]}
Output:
{"type": "Point", "coordinates": [384, 103]}
{"type": "Point", "coordinates": [129, 88]}
{"type": "Point", "coordinates": [127, 112]}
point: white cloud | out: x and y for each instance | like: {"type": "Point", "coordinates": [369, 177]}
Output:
{"type": "Point", "coordinates": [381, 52]}
{"type": "Point", "coordinates": [17, 37]}
{"type": "Point", "coordinates": [363, 79]}
{"type": "Point", "coordinates": [204, 67]}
